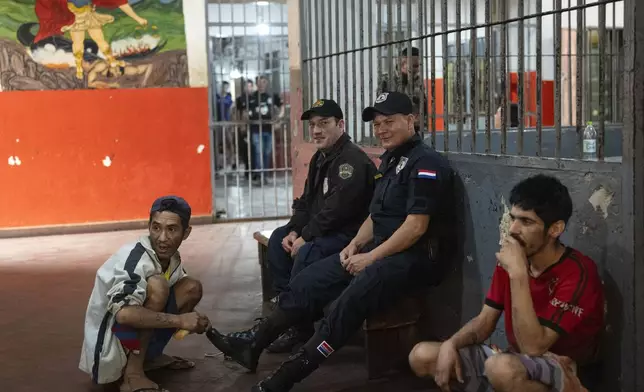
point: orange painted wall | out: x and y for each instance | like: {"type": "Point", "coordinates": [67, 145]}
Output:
{"type": "Point", "coordinates": [61, 138]}
{"type": "Point", "coordinates": [438, 83]}
{"type": "Point", "coordinates": [530, 92]}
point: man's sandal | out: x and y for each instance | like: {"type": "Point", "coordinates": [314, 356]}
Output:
{"type": "Point", "coordinates": [168, 362]}
{"type": "Point", "coordinates": [157, 389]}
{"type": "Point", "coordinates": [180, 364]}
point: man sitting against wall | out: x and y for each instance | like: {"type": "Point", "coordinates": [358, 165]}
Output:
{"type": "Point", "coordinates": [335, 202]}
{"type": "Point", "coordinates": [553, 301]}
{"type": "Point", "coordinates": [142, 296]}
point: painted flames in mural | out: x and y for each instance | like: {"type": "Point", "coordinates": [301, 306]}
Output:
{"type": "Point", "coordinates": [70, 44]}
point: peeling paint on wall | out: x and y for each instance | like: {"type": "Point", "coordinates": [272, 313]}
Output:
{"type": "Point", "coordinates": [107, 161]}
{"type": "Point", "coordinates": [601, 200]}
{"type": "Point", "coordinates": [506, 220]}
{"type": "Point", "coordinates": [14, 161]}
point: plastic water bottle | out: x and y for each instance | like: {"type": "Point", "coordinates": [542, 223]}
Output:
{"type": "Point", "coordinates": [590, 142]}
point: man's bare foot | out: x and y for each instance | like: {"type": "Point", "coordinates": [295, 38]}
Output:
{"type": "Point", "coordinates": [139, 382]}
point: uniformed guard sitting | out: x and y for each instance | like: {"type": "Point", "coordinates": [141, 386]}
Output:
{"type": "Point", "coordinates": [327, 216]}
{"type": "Point", "coordinates": [361, 280]}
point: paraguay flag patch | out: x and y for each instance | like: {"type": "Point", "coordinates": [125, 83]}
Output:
{"type": "Point", "coordinates": [325, 349]}
{"type": "Point", "coordinates": [426, 174]}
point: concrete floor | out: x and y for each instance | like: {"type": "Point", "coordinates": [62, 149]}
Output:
{"type": "Point", "coordinates": [46, 282]}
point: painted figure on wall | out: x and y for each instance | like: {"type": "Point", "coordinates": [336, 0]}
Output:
{"type": "Point", "coordinates": [79, 17]}
{"type": "Point", "coordinates": [92, 44]}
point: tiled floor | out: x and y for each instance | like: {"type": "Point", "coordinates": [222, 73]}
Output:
{"type": "Point", "coordinates": [45, 286]}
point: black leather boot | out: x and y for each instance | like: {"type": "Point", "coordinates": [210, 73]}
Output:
{"type": "Point", "coordinates": [291, 340]}
{"type": "Point", "coordinates": [294, 370]}
{"type": "Point", "coordinates": [245, 347]}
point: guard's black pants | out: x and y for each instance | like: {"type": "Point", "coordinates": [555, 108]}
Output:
{"type": "Point", "coordinates": [282, 266]}
{"type": "Point", "coordinates": [354, 298]}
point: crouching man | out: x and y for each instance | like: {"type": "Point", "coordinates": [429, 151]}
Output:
{"type": "Point", "coordinates": [141, 298]}
{"type": "Point", "coordinates": [553, 301]}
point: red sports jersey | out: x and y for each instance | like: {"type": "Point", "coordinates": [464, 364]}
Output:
{"type": "Point", "coordinates": [568, 297]}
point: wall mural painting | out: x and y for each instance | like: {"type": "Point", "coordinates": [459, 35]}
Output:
{"type": "Point", "coordinates": [95, 44]}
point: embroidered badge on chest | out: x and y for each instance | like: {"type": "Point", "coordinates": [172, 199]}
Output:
{"type": "Point", "coordinates": [345, 171]}
{"type": "Point", "coordinates": [401, 164]}
{"type": "Point", "coordinates": [325, 185]}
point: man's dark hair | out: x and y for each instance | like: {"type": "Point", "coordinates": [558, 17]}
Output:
{"type": "Point", "coordinates": [414, 52]}
{"type": "Point", "coordinates": [225, 83]}
{"type": "Point", "coordinates": [174, 204]}
{"type": "Point", "coordinates": [546, 196]}
{"type": "Point", "coordinates": [250, 81]}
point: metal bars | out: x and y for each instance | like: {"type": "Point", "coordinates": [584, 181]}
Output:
{"type": "Point", "coordinates": [248, 54]}
{"type": "Point", "coordinates": [519, 75]}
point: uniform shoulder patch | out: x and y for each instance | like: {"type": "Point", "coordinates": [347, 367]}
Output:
{"type": "Point", "coordinates": [429, 174]}
{"type": "Point", "coordinates": [345, 171]}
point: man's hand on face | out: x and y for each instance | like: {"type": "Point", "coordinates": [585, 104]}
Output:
{"type": "Point", "coordinates": [296, 246]}
{"type": "Point", "coordinates": [512, 257]}
{"type": "Point", "coordinates": [287, 242]}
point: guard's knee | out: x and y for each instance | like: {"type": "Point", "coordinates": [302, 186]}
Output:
{"type": "Point", "coordinates": [422, 358]}
{"type": "Point", "coordinates": [275, 240]}
{"type": "Point", "coordinates": [157, 294]}
{"type": "Point", "coordinates": [502, 370]}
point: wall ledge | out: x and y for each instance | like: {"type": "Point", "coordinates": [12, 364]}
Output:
{"type": "Point", "coordinates": [85, 228]}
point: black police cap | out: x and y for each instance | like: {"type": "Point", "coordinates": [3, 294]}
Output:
{"type": "Point", "coordinates": [323, 108]}
{"type": "Point", "coordinates": [388, 104]}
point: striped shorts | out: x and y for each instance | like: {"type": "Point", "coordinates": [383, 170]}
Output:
{"type": "Point", "coordinates": [542, 369]}
{"type": "Point", "coordinates": [129, 336]}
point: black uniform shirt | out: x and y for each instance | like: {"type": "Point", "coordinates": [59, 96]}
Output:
{"type": "Point", "coordinates": [412, 179]}
{"type": "Point", "coordinates": [259, 105]}
{"type": "Point", "coordinates": [338, 188]}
